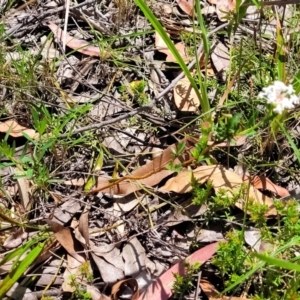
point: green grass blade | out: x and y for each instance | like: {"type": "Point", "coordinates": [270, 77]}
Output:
{"type": "Point", "coordinates": [206, 47]}
{"type": "Point", "coordinates": [157, 26]}
{"type": "Point", "coordinates": [296, 83]}
{"type": "Point", "coordinates": [9, 256]}
{"type": "Point", "coordinates": [278, 262]}
{"type": "Point", "coordinates": [19, 270]}
{"type": "Point", "coordinates": [244, 277]}
{"type": "Point", "coordinates": [280, 54]}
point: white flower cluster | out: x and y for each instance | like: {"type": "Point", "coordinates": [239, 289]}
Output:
{"type": "Point", "coordinates": [280, 96]}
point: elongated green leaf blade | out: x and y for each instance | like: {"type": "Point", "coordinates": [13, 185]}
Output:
{"type": "Point", "coordinates": [157, 26]}
{"type": "Point", "coordinates": [19, 270]}
{"type": "Point", "coordinates": [278, 262]}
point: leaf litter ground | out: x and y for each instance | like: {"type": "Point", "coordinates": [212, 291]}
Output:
{"type": "Point", "coordinates": [92, 205]}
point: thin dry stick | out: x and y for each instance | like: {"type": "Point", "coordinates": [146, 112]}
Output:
{"type": "Point", "coordinates": [66, 24]}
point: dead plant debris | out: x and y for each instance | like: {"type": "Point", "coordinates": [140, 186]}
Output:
{"type": "Point", "coordinates": [127, 173]}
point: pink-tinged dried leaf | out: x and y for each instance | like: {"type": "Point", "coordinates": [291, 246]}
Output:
{"type": "Point", "coordinates": [213, 294]}
{"type": "Point", "coordinates": [264, 183]}
{"type": "Point", "coordinates": [223, 7]}
{"type": "Point", "coordinates": [235, 142]}
{"type": "Point", "coordinates": [162, 47]}
{"type": "Point", "coordinates": [116, 290]}
{"type": "Point", "coordinates": [185, 96]}
{"type": "Point", "coordinates": [66, 239]}
{"type": "Point", "coordinates": [162, 288]}
{"type": "Point", "coordinates": [104, 297]}
{"type": "Point", "coordinates": [15, 129]}
{"type": "Point", "coordinates": [75, 182]}
{"type": "Point", "coordinates": [76, 44]}
{"type": "Point", "coordinates": [221, 179]}
{"type": "Point", "coordinates": [186, 5]}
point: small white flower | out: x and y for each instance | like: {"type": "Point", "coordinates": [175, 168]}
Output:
{"type": "Point", "coordinates": [280, 96]}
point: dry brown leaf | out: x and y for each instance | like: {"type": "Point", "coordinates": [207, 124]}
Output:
{"type": "Point", "coordinates": [185, 96]}
{"type": "Point", "coordinates": [162, 47]}
{"type": "Point", "coordinates": [264, 183]}
{"type": "Point", "coordinates": [83, 226]}
{"type": "Point", "coordinates": [24, 192]}
{"type": "Point", "coordinates": [223, 7]}
{"type": "Point", "coordinates": [109, 272]}
{"type": "Point", "coordinates": [66, 239]}
{"type": "Point", "coordinates": [125, 204]}
{"type": "Point", "coordinates": [235, 142]}
{"type": "Point", "coordinates": [76, 44]}
{"type": "Point", "coordinates": [15, 129]}
{"type": "Point", "coordinates": [15, 239]}
{"type": "Point", "coordinates": [186, 5]}
{"type": "Point", "coordinates": [185, 212]}
{"type": "Point", "coordinates": [73, 268]}
{"type": "Point", "coordinates": [131, 283]}
{"type": "Point", "coordinates": [221, 179]}
{"type": "Point", "coordinates": [212, 293]}
{"type": "Point", "coordinates": [155, 167]}
{"type": "Point", "coordinates": [104, 297]}
{"type": "Point", "coordinates": [134, 256]}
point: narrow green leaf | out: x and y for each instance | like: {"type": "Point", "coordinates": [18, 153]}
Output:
{"type": "Point", "coordinates": [278, 262]}
{"type": "Point", "coordinates": [19, 270]}
{"type": "Point", "coordinates": [157, 26]}
{"type": "Point", "coordinates": [98, 166]}
{"type": "Point", "coordinates": [280, 54]}
{"type": "Point", "coordinates": [296, 83]}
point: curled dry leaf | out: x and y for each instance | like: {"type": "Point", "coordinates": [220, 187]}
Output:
{"type": "Point", "coordinates": [186, 5]}
{"type": "Point", "coordinates": [185, 96]}
{"type": "Point", "coordinates": [163, 48]}
{"type": "Point", "coordinates": [15, 129]}
{"type": "Point", "coordinates": [213, 294]}
{"type": "Point", "coordinates": [76, 44]}
{"type": "Point", "coordinates": [221, 179]}
{"type": "Point", "coordinates": [130, 283]}
{"type": "Point", "coordinates": [162, 287]}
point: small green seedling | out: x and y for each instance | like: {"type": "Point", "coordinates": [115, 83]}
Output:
{"type": "Point", "coordinates": [185, 284]}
